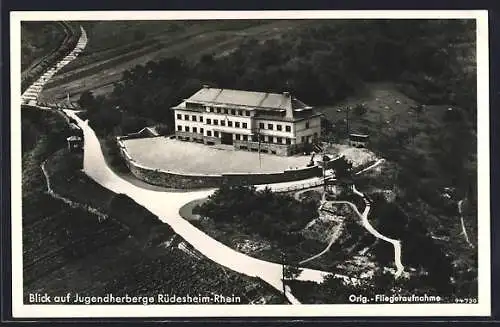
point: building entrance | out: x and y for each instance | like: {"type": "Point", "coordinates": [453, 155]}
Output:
{"type": "Point", "coordinates": [226, 138]}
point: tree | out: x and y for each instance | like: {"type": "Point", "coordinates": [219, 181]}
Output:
{"type": "Point", "coordinates": [86, 100]}
{"type": "Point", "coordinates": [359, 109]}
{"type": "Point", "coordinates": [342, 167]}
{"type": "Point", "coordinates": [291, 272]}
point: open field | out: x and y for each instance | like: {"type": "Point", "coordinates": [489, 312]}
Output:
{"type": "Point", "coordinates": [100, 66]}
{"type": "Point", "coordinates": [388, 110]}
{"type": "Point", "coordinates": [193, 158]}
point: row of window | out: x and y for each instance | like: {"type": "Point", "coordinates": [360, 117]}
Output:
{"type": "Point", "coordinates": [193, 117]}
{"type": "Point", "coordinates": [309, 138]}
{"type": "Point", "coordinates": [233, 112]}
{"type": "Point", "coordinates": [238, 137]}
{"type": "Point", "coordinates": [237, 124]}
{"type": "Point", "coordinates": [186, 129]}
{"type": "Point", "coordinates": [215, 121]}
{"type": "Point", "coordinates": [277, 140]}
{"type": "Point", "coordinates": [278, 127]}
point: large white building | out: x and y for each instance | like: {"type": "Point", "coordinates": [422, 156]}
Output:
{"type": "Point", "coordinates": [282, 123]}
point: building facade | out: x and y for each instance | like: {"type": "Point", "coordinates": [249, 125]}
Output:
{"type": "Point", "coordinates": [253, 121]}
{"type": "Point", "coordinates": [358, 140]}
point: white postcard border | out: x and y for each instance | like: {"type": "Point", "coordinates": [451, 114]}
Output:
{"type": "Point", "coordinates": [483, 308]}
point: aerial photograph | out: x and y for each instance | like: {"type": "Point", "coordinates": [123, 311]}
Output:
{"type": "Point", "coordinates": [249, 161]}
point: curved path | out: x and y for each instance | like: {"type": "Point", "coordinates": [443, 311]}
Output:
{"type": "Point", "coordinates": [333, 238]}
{"type": "Point", "coordinates": [366, 224]}
{"type": "Point", "coordinates": [464, 230]}
{"type": "Point", "coordinates": [73, 204]}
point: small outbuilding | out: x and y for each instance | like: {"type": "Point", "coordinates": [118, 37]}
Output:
{"type": "Point", "coordinates": [75, 143]}
{"type": "Point", "coordinates": [358, 140]}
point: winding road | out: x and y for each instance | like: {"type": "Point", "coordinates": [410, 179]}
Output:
{"type": "Point", "coordinates": [166, 206]}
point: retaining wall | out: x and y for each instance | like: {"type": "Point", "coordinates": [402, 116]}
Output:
{"type": "Point", "coordinates": [179, 180]}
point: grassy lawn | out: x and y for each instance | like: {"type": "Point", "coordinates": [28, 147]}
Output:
{"type": "Point", "coordinates": [186, 211]}
{"type": "Point", "coordinates": [193, 158]}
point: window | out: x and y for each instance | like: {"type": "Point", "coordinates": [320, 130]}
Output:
{"type": "Point", "coordinates": [268, 139]}
{"type": "Point", "coordinates": [186, 128]}
{"type": "Point", "coordinates": [237, 137]}
{"type": "Point", "coordinates": [245, 125]}
{"type": "Point", "coordinates": [216, 122]}
{"type": "Point", "coordinates": [237, 124]}
{"type": "Point", "coordinates": [269, 126]}
{"type": "Point", "coordinates": [225, 111]}
{"type": "Point", "coordinates": [261, 125]}
{"type": "Point", "coordinates": [201, 130]}
{"type": "Point", "coordinates": [247, 113]}
{"type": "Point", "coordinates": [240, 113]}
{"type": "Point", "coordinates": [179, 116]}
{"type": "Point", "coordinates": [229, 123]}
{"type": "Point", "coordinates": [216, 134]}
{"type": "Point", "coordinates": [217, 110]}
{"type": "Point", "coordinates": [288, 141]}
{"type": "Point", "coordinates": [201, 119]}
{"type": "Point", "coordinates": [233, 112]}
{"type": "Point", "coordinates": [193, 118]}
{"type": "Point", "coordinates": [195, 130]}
{"type": "Point", "coordinates": [307, 124]}
{"type": "Point", "coordinates": [245, 137]}
{"type": "Point", "coordinates": [279, 127]}
{"type": "Point", "coordinates": [186, 117]}
{"type": "Point", "coordinates": [279, 140]}
{"type": "Point", "coordinates": [288, 128]}
{"type": "Point", "coordinates": [223, 123]}
{"type": "Point", "coordinates": [209, 121]}
{"type": "Point", "coordinates": [302, 139]}
{"type": "Point", "coordinates": [209, 133]}
{"type": "Point", "coordinates": [179, 127]}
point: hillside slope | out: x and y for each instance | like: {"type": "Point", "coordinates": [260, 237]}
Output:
{"type": "Point", "coordinates": [39, 39]}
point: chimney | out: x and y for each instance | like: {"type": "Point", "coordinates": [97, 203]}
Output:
{"type": "Point", "coordinates": [288, 104]}
{"type": "Point", "coordinates": [205, 86]}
